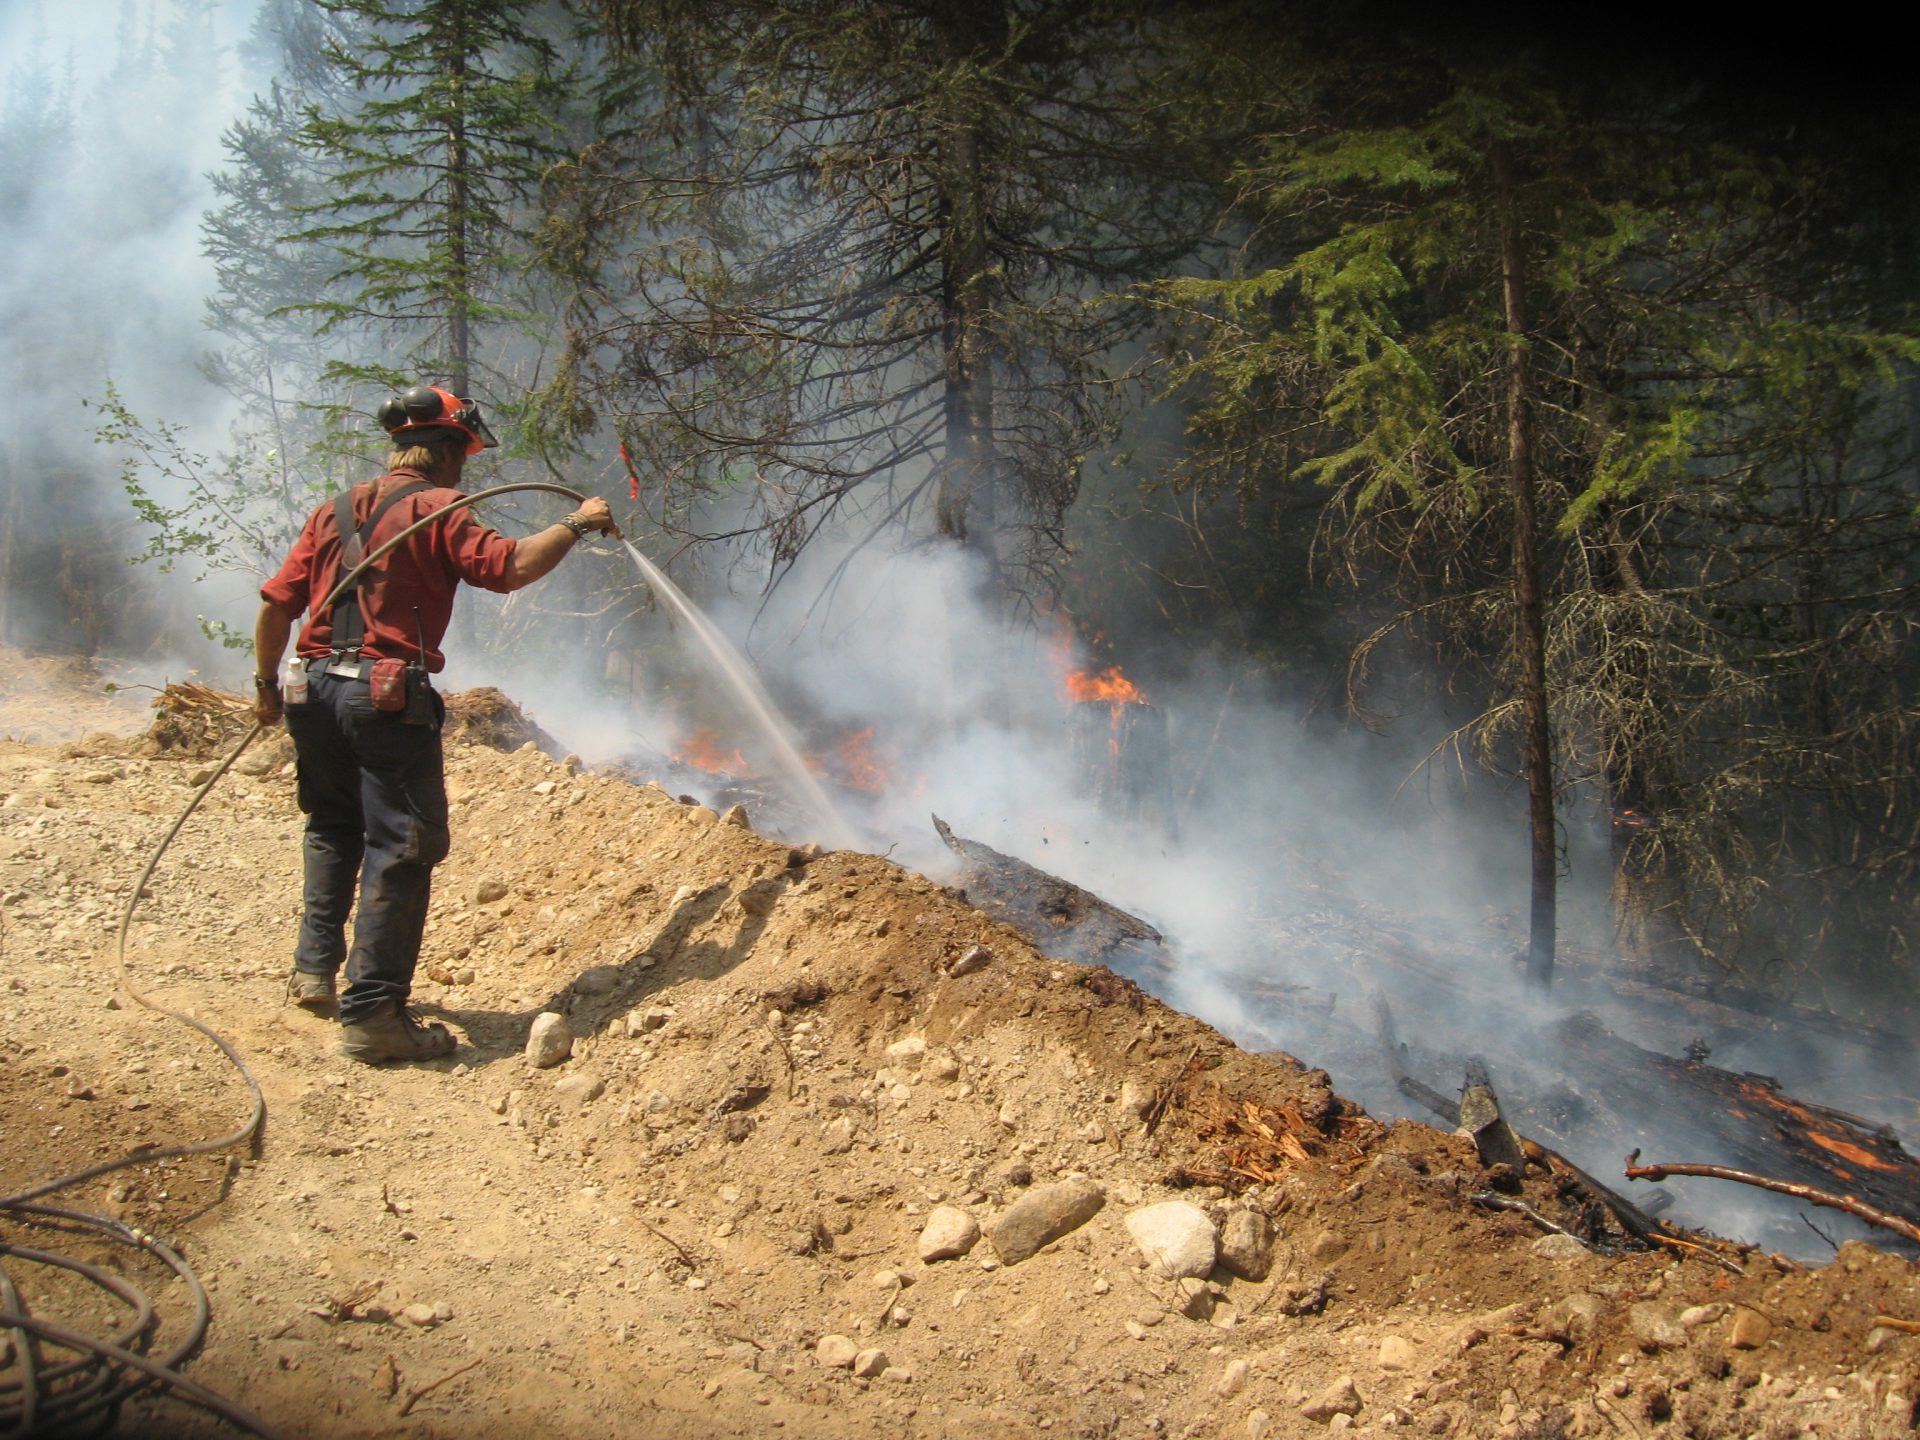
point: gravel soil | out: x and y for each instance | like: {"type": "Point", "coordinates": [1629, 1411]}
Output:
{"type": "Point", "coordinates": [707, 1219]}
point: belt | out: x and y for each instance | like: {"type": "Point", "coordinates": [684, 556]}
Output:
{"type": "Point", "coordinates": [346, 665]}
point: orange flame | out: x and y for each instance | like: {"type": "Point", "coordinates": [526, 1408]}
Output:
{"type": "Point", "coordinates": [859, 767]}
{"type": "Point", "coordinates": [702, 751]}
{"type": "Point", "coordinates": [1109, 685]}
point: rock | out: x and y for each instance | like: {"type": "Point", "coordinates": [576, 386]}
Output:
{"type": "Point", "coordinates": [1654, 1327]}
{"type": "Point", "coordinates": [909, 1051]}
{"type": "Point", "coordinates": [1574, 1314]}
{"type": "Point", "coordinates": [737, 815]}
{"type": "Point", "coordinates": [424, 1316]}
{"type": "Point", "coordinates": [545, 787]}
{"type": "Point", "coordinates": [836, 1352]}
{"type": "Point", "coordinates": [651, 1020]}
{"type": "Point", "coordinates": [1246, 1244]}
{"type": "Point", "coordinates": [548, 1042]}
{"type": "Point", "coordinates": [869, 1363]}
{"type": "Point", "coordinates": [941, 1069]}
{"type": "Point", "coordinates": [578, 1090]}
{"type": "Point", "coordinates": [836, 1137]}
{"type": "Point", "coordinates": [1233, 1379]}
{"type": "Point", "coordinates": [1694, 1316]}
{"type": "Point", "coordinates": [1396, 1353]}
{"type": "Point", "coordinates": [1341, 1398]}
{"type": "Point", "coordinates": [1196, 1298]}
{"type": "Point", "coordinates": [1750, 1330]}
{"type": "Point", "coordinates": [896, 1375]}
{"type": "Point", "coordinates": [949, 1232]}
{"type": "Point", "coordinates": [1258, 1423]}
{"type": "Point", "coordinates": [485, 892]}
{"type": "Point", "coordinates": [1043, 1215]}
{"type": "Point", "coordinates": [1177, 1239]}
{"type": "Point", "coordinates": [597, 980]}
{"type": "Point", "coordinates": [1328, 1245]}
{"type": "Point", "coordinates": [977, 957]}
{"type": "Point", "coordinates": [1558, 1247]}
{"type": "Point", "coordinates": [1137, 1099]}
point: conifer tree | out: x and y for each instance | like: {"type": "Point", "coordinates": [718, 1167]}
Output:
{"type": "Point", "coordinates": [864, 238]}
{"type": "Point", "coordinates": [447, 116]}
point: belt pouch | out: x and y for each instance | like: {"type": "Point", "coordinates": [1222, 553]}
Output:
{"type": "Point", "coordinates": [388, 684]}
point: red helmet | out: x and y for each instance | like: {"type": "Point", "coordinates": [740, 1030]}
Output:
{"type": "Point", "coordinates": [426, 409]}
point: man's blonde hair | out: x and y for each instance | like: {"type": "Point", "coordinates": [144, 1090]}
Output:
{"type": "Point", "coordinates": [430, 457]}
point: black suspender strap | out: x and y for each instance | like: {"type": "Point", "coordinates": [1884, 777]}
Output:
{"type": "Point", "coordinates": [349, 626]}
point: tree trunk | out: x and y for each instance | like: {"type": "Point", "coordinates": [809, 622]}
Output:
{"type": "Point", "coordinates": [969, 500]}
{"type": "Point", "coordinates": [1529, 611]}
{"type": "Point", "coordinates": [459, 267]}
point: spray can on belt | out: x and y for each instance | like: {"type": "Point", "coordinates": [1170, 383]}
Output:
{"type": "Point", "coordinates": [293, 681]}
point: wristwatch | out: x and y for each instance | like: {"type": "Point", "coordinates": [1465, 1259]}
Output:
{"type": "Point", "coordinates": [577, 525]}
{"type": "Point", "coordinates": [265, 682]}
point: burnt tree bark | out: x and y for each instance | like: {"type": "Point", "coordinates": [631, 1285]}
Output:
{"type": "Point", "coordinates": [1529, 607]}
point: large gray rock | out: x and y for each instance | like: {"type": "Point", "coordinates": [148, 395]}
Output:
{"type": "Point", "coordinates": [1246, 1244]}
{"type": "Point", "coordinates": [1177, 1239]}
{"type": "Point", "coordinates": [548, 1042]}
{"type": "Point", "coordinates": [1043, 1215]}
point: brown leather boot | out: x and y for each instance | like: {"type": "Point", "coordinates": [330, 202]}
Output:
{"type": "Point", "coordinates": [392, 1033]}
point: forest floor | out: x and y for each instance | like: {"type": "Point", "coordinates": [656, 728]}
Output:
{"type": "Point", "coordinates": [788, 1070]}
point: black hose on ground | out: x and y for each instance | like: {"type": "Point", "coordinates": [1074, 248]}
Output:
{"type": "Point", "coordinates": [54, 1399]}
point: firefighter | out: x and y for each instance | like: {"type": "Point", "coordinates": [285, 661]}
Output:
{"type": "Point", "coordinates": [365, 721]}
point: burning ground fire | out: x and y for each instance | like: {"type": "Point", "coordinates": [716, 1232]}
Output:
{"type": "Point", "coordinates": [856, 762]}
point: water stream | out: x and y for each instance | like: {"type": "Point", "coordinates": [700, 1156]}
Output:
{"type": "Point", "coordinates": [734, 671]}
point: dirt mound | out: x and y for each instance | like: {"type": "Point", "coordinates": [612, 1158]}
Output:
{"type": "Point", "coordinates": [820, 1148]}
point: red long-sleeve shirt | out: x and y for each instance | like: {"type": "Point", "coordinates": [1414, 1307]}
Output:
{"type": "Point", "coordinates": [422, 572]}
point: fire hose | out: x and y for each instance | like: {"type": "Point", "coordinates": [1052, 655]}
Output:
{"type": "Point", "coordinates": [63, 1398]}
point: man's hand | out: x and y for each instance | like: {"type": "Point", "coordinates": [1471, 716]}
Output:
{"type": "Point", "coordinates": [267, 706]}
{"type": "Point", "coordinates": [597, 515]}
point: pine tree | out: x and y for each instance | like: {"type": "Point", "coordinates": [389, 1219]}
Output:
{"type": "Point", "coordinates": [432, 160]}
{"type": "Point", "coordinates": [864, 273]}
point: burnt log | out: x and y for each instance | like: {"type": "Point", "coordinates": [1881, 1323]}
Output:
{"type": "Point", "coordinates": [1062, 920]}
{"type": "Point", "coordinates": [1743, 1121]}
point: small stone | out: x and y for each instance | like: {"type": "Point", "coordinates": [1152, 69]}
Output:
{"type": "Point", "coordinates": [836, 1352]}
{"type": "Point", "coordinates": [1574, 1314]}
{"type": "Point", "coordinates": [1196, 1298]}
{"type": "Point", "coordinates": [597, 980]}
{"type": "Point", "coordinates": [1137, 1099]}
{"type": "Point", "coordinates": [948, 1233]}
{"type": "Point", "coordinates": [896, 1375]}
{"type": "Point", "coordinates": [869, 1363]}
{"type": "Point", "coordinates": [1258, 1423]}
{"type": "Point", "coordinates": [1341, 1398]}
{"type": "Point", "coordinates": [545, 787]}
{"type": "Point", "coordinates": [1694, 1316]}
{"type": "Point", "coordinates": [548, 1042]}
{"type": "Point", "coordinates": [1654, 1327]}
{"type": "Point", "coordinates": [652, 1020]}
{"type": "Point", "coordinates": [737, 815]}
{"type": "Point", "coordinates": [1246, 1244]}
{"type": "Point", "coordinates": [1233, 1379]}
{"type": "Point", "coordinates": [1328, 1245]}
{"type": "Point", "coordinates": [836, 1136]}
{"type": "Point", "coordinates": [578, 1090]}
{"type": "Point", "coordinates": [423, 1316]}
{"type": "Point", "coordinates": [977, 957]}
{"type": "Point", "coordinates": [1136, 1329]}
{"type": "Point", "coordinates": [909, 1050]}
{"type": "Point", "coordinates": [1177, 1239]}
{"type": "Point", "coordinates": [1043, 1215]}
{"type": "Point", "coordinates": [485, 892]}
{"type": "Point", "coordinates": [1750, 1330]}
{"type": "Point", "coordinates": [1558, 1247]}
{"type": "Point", "coordinates": [941, 1069]}
{"type": "Point", "coordinates": [1396, 1353]}
{"type": "Point", "coordinates": [1879, 1338]}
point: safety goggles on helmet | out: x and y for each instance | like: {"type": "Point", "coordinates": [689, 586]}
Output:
{"type": "Point", "coordinates": [428, 407]}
